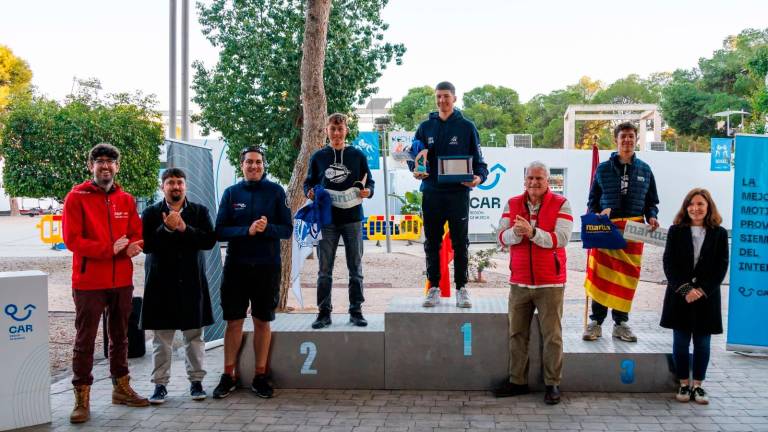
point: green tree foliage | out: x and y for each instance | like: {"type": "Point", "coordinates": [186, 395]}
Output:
{"type": "Point", "coordinates": [733, 78]}
{"type": "Point", "coordinates": [252, 95]}
{"type": "Point", "coordinates": [15, 76]}
{"type": "Point", "coordinates": [413, 108]}
{"type": "Point", "coordinates": [45, 143]}
{"type": "Point", "coordinates": [496, 111]}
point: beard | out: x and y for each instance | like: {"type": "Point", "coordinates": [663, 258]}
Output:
{"type": "Point", "coordinates": [176, 197]}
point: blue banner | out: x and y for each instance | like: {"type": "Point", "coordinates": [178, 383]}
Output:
{"type": "Point", "coordinates": [368, 143]}
{"type": "Point", "coordinates": [721, 154]}
{"type": "Point", "coordinates": [748, 295]}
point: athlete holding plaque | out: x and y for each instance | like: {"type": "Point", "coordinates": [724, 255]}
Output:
{"type": "Point", "coordinates": [449, 163]}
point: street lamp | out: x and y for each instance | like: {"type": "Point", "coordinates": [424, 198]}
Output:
{"type": "Point", "coordinates": [381, 124]}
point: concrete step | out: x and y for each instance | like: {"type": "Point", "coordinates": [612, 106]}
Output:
{"type": "Point", "coordinates": [448, 348]}
{"type": "Point", "coordinates": [341, 356]}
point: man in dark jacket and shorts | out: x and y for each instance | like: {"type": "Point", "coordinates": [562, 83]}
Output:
{"type": "Point", "coordinates": [176, 232]}
{"type": "Point", "coordinates": [253, 218]}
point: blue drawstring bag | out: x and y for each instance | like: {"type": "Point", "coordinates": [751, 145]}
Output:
{"type": "Point", "coordinates": [597, 232]}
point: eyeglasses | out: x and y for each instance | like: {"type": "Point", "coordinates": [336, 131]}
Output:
{"type": "Point", "coordinates": [105, 162]}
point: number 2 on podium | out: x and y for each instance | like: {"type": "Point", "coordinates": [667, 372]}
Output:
{"type": "Point", "coordinates": [310, 349]}
{"type": "Point", "coordinates": [466, 330]}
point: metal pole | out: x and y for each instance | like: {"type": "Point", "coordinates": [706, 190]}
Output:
{"type": "Point", "coordinates": [386, 190]}
{"type": "Point", "coordinates": [172, 71]}
{"type": "Point", "coordinates": [185, 70]}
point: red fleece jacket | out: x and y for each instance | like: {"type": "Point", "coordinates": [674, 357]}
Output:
{"type": "Point", "coordinates": [92, 221]}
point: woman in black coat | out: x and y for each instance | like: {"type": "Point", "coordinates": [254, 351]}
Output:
{"type": "Point", "coordinates": [695, 263]}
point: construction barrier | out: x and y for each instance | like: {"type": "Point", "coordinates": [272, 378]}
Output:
{"type": "Point", "coordinates": [50, 229]}
{"type": "Point", "coordinates": [401, 227]}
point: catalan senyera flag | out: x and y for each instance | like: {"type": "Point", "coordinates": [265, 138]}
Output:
{"type": "Point", "coordinates": [612, 275]}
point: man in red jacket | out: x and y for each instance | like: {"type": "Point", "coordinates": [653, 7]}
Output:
{"type": "Point", "coordinates": [102, 228]}
{"type": "Point", "coordinates": [536, 226]}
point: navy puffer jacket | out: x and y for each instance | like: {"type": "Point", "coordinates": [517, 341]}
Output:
{"type": "Point", "coordinates": [606, 189]}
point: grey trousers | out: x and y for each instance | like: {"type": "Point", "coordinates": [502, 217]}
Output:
{"type": "Point", "coordinates": [162, 354]}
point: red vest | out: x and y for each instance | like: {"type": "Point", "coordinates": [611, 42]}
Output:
{"type": "Point", "coordinates": [530, 264]}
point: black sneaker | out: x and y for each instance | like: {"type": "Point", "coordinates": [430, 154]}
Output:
{"type": "Point", "coordinates": [323, 320]}
{"type": "Point", "coordinates": [508, 389]}
{"type": "Point", "coordinates": [261, 387]}
{"type": "Point", "coordinates": [356, 318]}
{"type": "Point", "coordinates": [683, 394]}
{"type": "Point", "coordinates": [158, 397]}
{"type": "Point", "coordinates": [699, 396]}
{"type": "Point", "coordinates": [551, 394]}
{"type": "Point", "coordinates": [196, 391]}
{"type": "Point", "coordinates": [225, 387]}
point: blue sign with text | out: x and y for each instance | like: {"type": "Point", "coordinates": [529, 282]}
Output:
{"type": "Point", "coordinates": [748, 296]}
{"type": "Point", "coordinates": [368, 143]}
{"type": "Point", "coordinates": [721, 154]}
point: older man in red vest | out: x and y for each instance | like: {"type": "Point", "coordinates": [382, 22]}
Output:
{"type": "Point", "coordinates": [536, 226]}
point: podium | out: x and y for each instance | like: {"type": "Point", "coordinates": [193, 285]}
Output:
{"type": "Point", "coordinates": [338, 357]}
{"type": "Point", "coordinates": [26, 377]}
{"type": "Point", "coordinates": [448, 348]}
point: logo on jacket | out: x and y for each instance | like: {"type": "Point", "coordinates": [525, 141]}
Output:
{"type": "Point", "coordinates": [430, 141]}
{"type": "Point", "coordinates": [336, 173]}
{"type": "Point", "coordinates": [499, 170]}
{"type": "Point", "coordinates": [640, 178]}
{"type": "Point", "coordinates": [238, 206]}
{"type": "Point", "coordinates": [121, 215]}
{"type": "Point", "coordinates": [454, 140]}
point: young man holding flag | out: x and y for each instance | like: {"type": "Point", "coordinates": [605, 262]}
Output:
{"type": "Point", "coordinates": [623, 188]}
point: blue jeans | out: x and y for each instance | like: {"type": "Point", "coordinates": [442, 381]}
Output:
{"type": "Point", "coordinates": [681, 343]}
{"type": "Point", "coordinates": [352, 233]}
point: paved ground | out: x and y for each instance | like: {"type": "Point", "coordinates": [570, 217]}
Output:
{"type": "Point", "coordinates": [736, 382]}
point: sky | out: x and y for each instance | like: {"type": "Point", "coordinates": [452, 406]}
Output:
{"type": "Point", "coordinates": [533, 47]}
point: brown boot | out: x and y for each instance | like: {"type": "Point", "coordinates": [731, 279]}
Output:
{"type": "Point", "coordinates": [81, 413]}
{"type": "Point", "coordinates": [123, 394]}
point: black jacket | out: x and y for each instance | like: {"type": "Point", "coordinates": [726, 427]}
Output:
{"type": "Point", "coordinates": [456, 136]}
{"type": "Point", "coordinates": [703, 316]}
{"type": "Point", "coordinates": [245, 202]}
{"type": "Point", "coordinates": [176, 289]}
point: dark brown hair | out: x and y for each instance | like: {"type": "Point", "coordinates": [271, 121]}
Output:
{"type": "Point", "coordinates": [624, 126]}
{"type": "Point", "coordinates": [173, 172]}
{"type": "Point", "coordinates": [711, 220]}
{"type": "Point", "coordinates": [338, 119]}
{"type": "Point", "coordinates": [103, 149]}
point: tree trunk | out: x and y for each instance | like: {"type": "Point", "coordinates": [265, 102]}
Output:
{"type": "Point", "coordinates": [314, 112]}
{"type": "Point", "coordinates": [14, 202]}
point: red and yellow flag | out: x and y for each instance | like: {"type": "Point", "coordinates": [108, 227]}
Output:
{"type": "Point", "coordinates": [612, 275]}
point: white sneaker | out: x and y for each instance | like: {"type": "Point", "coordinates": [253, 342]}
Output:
{"type": "Point", "coordinates": [699, 396]}
{"type": "Point", "coordinates": [462, 298]}
{"type": "Point", "coordinates": [433, 297]}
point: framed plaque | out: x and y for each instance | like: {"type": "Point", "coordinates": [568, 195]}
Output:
{"type": "Point", "coordinates": [454, 169]}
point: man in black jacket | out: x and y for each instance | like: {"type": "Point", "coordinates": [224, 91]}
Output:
{"type": "Point", "coordinates": [447, 133]}
{"type": "Point", "coordinates": [176, 232]}
{"type": "Point", "coordinates": [253, 217]}
{"type": "Point", "coordinates": [343, 171]}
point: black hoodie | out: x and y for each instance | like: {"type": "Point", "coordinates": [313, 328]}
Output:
{"type": "Point", "coordinates": [338, 170]}
{"type": "Point", "coordinates": [456, 136]}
